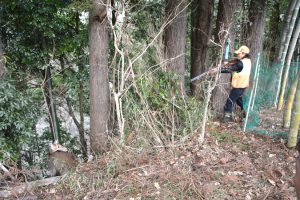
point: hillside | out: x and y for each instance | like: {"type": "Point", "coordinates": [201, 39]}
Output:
{"type": "Point", "coordinates": [229, 165]}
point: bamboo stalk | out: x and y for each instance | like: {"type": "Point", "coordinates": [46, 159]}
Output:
{"type": "Point", "coordinates": [289, 104]}
{"type": "Point", "coordinates": [288, 63]}
{"type": "Point", "coordinates": [284, 53]}
{"type": "Point", "coordinates": [293, 133]}
{"type": "Point", "coordinates": [287, 19]}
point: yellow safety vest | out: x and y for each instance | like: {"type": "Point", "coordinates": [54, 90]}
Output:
{"type": "Point", "coordinates": [241, 79]}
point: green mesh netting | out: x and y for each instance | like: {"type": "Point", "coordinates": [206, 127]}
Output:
{"type": "Point", "coordinates": [262, 116]}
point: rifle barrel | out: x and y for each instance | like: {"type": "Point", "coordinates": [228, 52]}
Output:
{"type": "Point", "coordinates": [198, 77]}
{"type": "Point", "coordinates": [203, 74]}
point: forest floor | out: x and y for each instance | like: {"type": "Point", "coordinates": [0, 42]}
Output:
{"type": "Point", "coordinates": [229, 164]}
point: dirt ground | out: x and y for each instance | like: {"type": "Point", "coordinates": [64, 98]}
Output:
{"type": "Point", "coordinates": [229, 165]}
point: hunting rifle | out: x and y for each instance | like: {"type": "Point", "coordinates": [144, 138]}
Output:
{"type": "Point", "coordinates": [227, 64]}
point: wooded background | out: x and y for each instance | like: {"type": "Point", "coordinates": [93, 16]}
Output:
{"type": "Point", "coordinates": [120, 70]}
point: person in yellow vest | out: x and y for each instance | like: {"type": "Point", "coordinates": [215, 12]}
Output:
{"type": "Point", "coordinates": [240, 70]}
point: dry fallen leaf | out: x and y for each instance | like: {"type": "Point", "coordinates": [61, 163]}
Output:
{"type": "Point", "coordinates": [232, 178]}
{"type": "Point", "coordinates": [272, 182]}
{"type": "Point", "coordinates": [157, 185]}
{"type": "Point", "coordinates": [224, 160]}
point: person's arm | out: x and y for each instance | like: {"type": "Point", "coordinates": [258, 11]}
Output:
{"type": "Point", "coordinates": [237, 67]}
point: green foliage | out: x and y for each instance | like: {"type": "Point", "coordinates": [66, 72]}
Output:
{"type": "Point", "coordinates": [32, 38]}
{"type": "Point", "coordinates": [225, 137]}
{"type": "Point", "coordinates": [152, 106]}
{"type": "Point", "coordinates": [35, 33]}
{"type": "Point", "coordinates": [18, 116]}
{"type": "Point", "coordinates": [160, 90]}
{"type": "Point", "coordinates": [262, 118]}
{"type": "Point", "coordinates": [155, 102]}
{"type": "Point", "coordinates": [71, 87]}
{"type": "Point", "coordinates": [145, 14]}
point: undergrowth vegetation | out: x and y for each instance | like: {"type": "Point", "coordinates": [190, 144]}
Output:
{"type": "Point", "coordinates": [229, 165]}
{"type": "Point", "coordinates": [154, 112]}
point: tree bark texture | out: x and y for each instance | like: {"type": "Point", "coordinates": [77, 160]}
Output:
{"type": "Point", "coordinates": [273, 30]}
{"type": "Point", "coordinates": [99, 86]}
{"type": "Point", "coordinates": [255, 29]}
{"type": "Point", "coordinates": [225, 19]}
{"type": "Point", "coordinates": [202, 13]}
{"type": "Point", "coordinates": [174, 38]}
{"type": "Point", "coordinates": [224, 29]}
{"type": "Point", "coordinates": [244, 22]}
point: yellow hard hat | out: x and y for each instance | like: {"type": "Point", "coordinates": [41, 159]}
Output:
{"type": "Point", "coordinates": [242, 49]}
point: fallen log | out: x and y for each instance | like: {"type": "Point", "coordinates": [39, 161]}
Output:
{"type": "Point", "coordinates": [3, 168]}
{"type": "Point", "coordinates": [27, 187]}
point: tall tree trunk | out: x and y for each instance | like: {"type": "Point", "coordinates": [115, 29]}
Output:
{"type": "Point", "coordinates": [81, 127]}
{"type": "Point", "coordinates": [273, 30]}
{"type": "Point", "coordinates": [174, 38]}
{"type": "Point", "coordinates": [99, 86]}
{"type": "Point", "coordinates": [294, 127]}
{"type": "Point", "coordinates": [288, 64]}
{"type": "Point", "coordinates": [225, 19]}
{"type": "Point", "coordinates": [2, 63]}
{"type": "Point", "coordinates": [202, 12]}
{"type": "Point", "coordinates": [284, 32]}
{"type": "Point", "coordinates": [289, 104]}
{"type": "Point", "coordinates": [79, 124]}
{"type": "Point", "coordinates": [244, 22]}
{"type": "Point", "coordinates": [224, 30]}
{"type": "Point", "coordinates": [49, 98]}
{"type": "Point", "coordinates": [287, 48]}
{"type": "Point", "coordinates": [255, 29]}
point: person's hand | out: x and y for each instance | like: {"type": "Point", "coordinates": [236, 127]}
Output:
{"type": "Point", "coordinates": [212, 71]}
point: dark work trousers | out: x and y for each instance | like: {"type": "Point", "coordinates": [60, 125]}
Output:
{"type": "Point", "coordinates": [235, 96]}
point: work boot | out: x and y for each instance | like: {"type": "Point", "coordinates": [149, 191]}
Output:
{"type": "Point", "coordinates": [244, 114]}
{"type": "Point", "coordinates": [227, 118]}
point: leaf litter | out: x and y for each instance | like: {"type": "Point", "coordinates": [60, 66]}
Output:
{"type": "Point", "coordinates": [229, 165]}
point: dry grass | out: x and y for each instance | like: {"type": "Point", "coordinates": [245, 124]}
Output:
{"type": "Point", "coordinates": [229, 165]}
